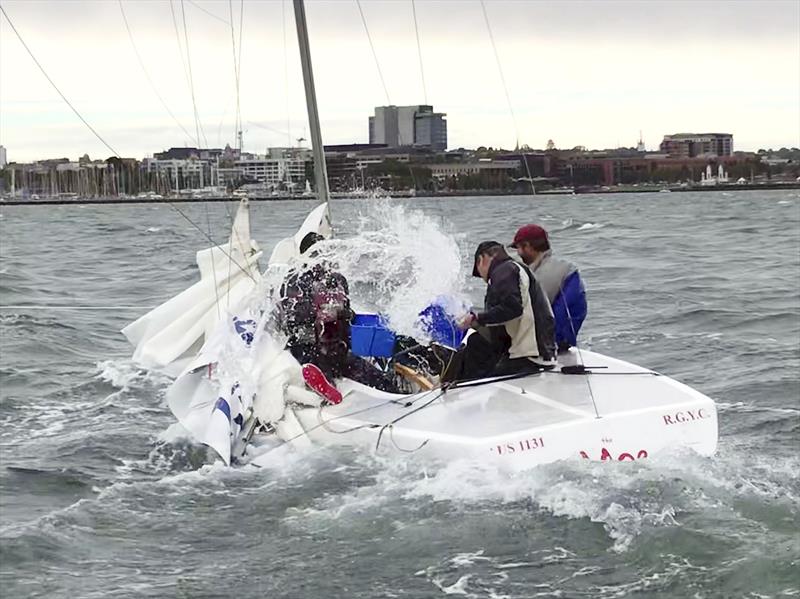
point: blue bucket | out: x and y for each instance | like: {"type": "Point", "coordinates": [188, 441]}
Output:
{"type": "Point", "coordinates": [441, 326]}
{"type": "Point", "coordinates": [369, 337]}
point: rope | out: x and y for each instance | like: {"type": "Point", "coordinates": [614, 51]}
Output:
{"type": "Point", "coordinates": [147, 75]}
{"type": "Point", "coordinates": [55, 87]}
{"type": "Point", "coordinates": [324, 423]}
{"type": "Point", "coordinates": [403, 449]}
{"type": "Point", "coordinates": [406, 415]}
{"type": "Point", "coordinates": [419, 51]}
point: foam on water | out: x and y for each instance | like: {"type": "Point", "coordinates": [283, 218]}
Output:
{"type": "Point", "coordinates": [125, 373]}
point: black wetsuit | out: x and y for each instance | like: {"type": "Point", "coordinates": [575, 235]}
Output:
{"type": "Point", "coordinates": [316, 314]}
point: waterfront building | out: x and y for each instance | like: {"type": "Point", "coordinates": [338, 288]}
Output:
{"type": "Point", "coordinates": [692, 145]}
{"type": "Point", "coordinates": [178, 174]}
{"type": "Point", "coordinates": [276, 169]}
{"type": "Point", "coordinates": [482, 167]}
{"type": "Point", "coordinates": [416, 125]}
{"type": "Point", "coordinates": [207, 154]}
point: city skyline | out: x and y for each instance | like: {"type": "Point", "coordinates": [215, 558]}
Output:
{"type": "Point", "coordinates": [591, 74]}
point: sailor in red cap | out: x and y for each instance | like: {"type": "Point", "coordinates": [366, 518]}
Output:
{"type": "Point", "coordinates": [559, 279]}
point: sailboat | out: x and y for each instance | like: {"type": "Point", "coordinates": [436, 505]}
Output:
{"type": "Point", "coordinates": [590, 406]}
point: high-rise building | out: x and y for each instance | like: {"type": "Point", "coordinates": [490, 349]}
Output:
{"type": "Point", "coordinates": [415, 125]}
{"type": "Point", "coordinates": [430, 129]}
{"type": "Point", "coordinates": [3, 157]}
{"type": "Point", "coordinates": [689, 145]}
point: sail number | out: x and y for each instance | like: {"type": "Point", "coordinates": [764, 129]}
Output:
{"type": "Point", "coordinates": [518, 446]}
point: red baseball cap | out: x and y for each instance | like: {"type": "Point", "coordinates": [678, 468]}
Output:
{"type": "Point", "coordinates": [529, 233]}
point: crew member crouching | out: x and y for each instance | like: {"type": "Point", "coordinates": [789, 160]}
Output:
{"type": "Point", "coordinates": [514, 332]}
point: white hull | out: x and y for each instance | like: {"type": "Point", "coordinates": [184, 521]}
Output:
{"type": "Point", "coordinates": [528, 421]}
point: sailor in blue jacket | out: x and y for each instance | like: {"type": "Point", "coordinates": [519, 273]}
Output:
{"type": "Point", "coordinates": [560, 280]}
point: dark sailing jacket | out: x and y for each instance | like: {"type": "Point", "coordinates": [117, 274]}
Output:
{"type": "Point", "coordinates": [315, 306]}
{"type": "Point", "coordinates": [517, 311]}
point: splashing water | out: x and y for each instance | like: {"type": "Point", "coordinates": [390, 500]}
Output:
{"type": "Point", "coordinates": [398, 261]}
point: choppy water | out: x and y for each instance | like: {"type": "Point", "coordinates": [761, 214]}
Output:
{"type": "Point", "coordinates": [99, 500]}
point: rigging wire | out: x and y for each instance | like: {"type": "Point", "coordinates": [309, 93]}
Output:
{"type": "Point", "coordinates": [235, 75]}
{"type": "Point", "coordinates": [214, 267]}
{"type": "Point", "coordinates": [505, 89]}
{"type": "Point", "coordinates": [147, 75]}
{"type": "Point", "coordinates": [180, 47]}
{"type": "Point", "coordinates": [237, 64]}
{"type": "Point", "coordinates": [246, 271]}
{"type": "Point", "coordinates": [208, 12]}
{"type": "Point", "coordinates": [286, 75]}
{"type": "Point", "coordinates": [267, 127]}
{"type": "Point", "coordinates": [374, 54]}
{"type": "Point", "coordinates": [219, 127]}
{"type": "Point", "coordinates": [419, 52]}
{"type": "Point", "coordinates": [383, 83]}
{"type": "Point", "coordinates": [578, 349]}
{"type": "Point", "coordinates": [191, 79]}
{"type": "Point", "coordinates": [55, 87]}
{"type": "Point", "coordinates": [85, 122]}
{"type": "Point", "coordinates": [533, 189]}
{"type": "Point", "coordinates": [241, 26]}
{"type": "Point", "coordinates": [211, 239]}
{"type": "Point", "coordinates": [500, 70]}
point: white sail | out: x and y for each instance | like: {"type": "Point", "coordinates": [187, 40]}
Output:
{"type": "Point", "coordinates": [173, 332]}
{"type": "Point", "coordinates": [318, 221]}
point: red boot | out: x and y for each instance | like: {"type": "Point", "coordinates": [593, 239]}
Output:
{"type": "Point", "coordinates": [317, 381]}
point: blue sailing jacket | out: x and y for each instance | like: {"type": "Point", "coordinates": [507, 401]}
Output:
{"type": "Point", "coordinates": [569, 309]}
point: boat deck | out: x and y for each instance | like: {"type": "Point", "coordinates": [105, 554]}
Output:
{"type": "Point", "coordinates": [615, 399]}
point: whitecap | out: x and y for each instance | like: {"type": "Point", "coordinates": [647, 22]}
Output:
{"type": "Point", "coordinates": [459, 587]}
{"type": "Point", "coordinates": [124, 373]}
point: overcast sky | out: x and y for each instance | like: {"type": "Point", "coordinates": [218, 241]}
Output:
{"type": "Point", "coordinates": [580, 73]}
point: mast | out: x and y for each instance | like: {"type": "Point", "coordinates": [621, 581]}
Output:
{"type": "Point", "coordinates": [320, 170]}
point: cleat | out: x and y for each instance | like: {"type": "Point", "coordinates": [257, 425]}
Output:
{"type": "Point", "coordinates": [317, 381]}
